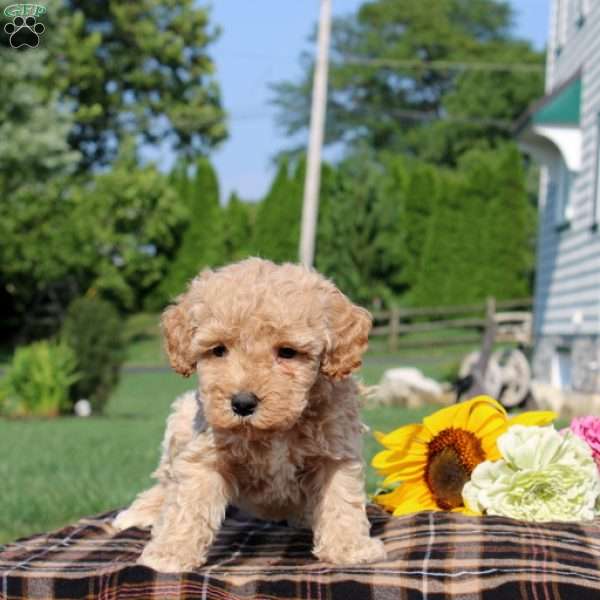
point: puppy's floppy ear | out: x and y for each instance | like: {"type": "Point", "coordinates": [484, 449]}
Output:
{"type": "Point", "coordinates": [178, 328]}
{"type": "Point", "coordinates": [349, 327]}
{"type": "Point", "coordinates": [178, 337]}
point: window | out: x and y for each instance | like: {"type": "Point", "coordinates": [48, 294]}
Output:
{"type": "Point", "coordinates": [597, 178]}
{"type": "Point", "coordinates": [562, 367]}
{"type": "Point", "coordinates": [560, 25]}
{"type": "Point", "coordinates": [581, 11]}
{"type": "Point", "coordinates": [559, 192]}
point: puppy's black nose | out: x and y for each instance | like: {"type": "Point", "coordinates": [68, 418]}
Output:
{"type": "Point", "coordinates": [243, 403]}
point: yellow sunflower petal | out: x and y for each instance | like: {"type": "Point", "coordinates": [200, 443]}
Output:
{"type": "Point", "coordinates": [407, 495]}
{"type": "Point", "coordinates": [391, 499]}
{"type": "Point", "coordinates": [466, 511]}
{"type": "Point", "coordinates": [458, 415]}
{"type": "Point", "coordinates": [442, 419]}
{"type": "Point", "coordinates": [399, 437]}
{"type": "Point", "coordinates": [407, 476]}
{"type": "Point", "coordinates": [392, 459]}
{"type": "Point", "coordinates": [484, 413]}
{"type": "Point", "coordinates": [492, 452]}
{"type": "Point", "coordinates": [408, 508]}
{"type": "Point", "coordinates": [491, 428]}
{"type": "Point", "coordinates": [386, 459]}
{"type": "Point", "coordinates": [487, 400]}
{"type": "Point", "coordinates": [536, 417]}
{"type": "Point", "coordinates": [408, 470]}
{"type": "Point", "coordinates": [488, 442]}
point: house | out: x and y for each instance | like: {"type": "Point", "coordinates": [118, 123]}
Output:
{"type": "Point", "coordinates": [562, 133]}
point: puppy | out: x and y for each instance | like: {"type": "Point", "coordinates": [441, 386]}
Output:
{"type": "Point", "coordinates": [274, 427]}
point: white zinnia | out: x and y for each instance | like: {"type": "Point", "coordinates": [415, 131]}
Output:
{"type": "Point", "coordinates": [542, 476]}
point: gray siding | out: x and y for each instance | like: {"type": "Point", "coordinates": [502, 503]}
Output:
{"type": "Point", "coordinates": [567, 298]}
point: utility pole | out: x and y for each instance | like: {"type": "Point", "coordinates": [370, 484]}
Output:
{"type": "Point", "coordinates": [310, 204]}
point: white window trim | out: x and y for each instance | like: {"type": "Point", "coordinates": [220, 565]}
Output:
{"type": "Point", "coordinates": [562, 369]}
{"type": "Point", "coordinates": [561, 182]}
{"type": "Point", "coordinates": [561, 25]}
{"type": "Point", "coordinates": [581, 13]}
{"type": "Point", "coordinates": [597, 174]}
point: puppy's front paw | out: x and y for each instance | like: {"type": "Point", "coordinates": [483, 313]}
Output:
{"type": "Point", "coordinates": [130, 518]}
{"type": "Point", "coordinates": [354, 552]}
{"type": "Point", "coordinates": [169, 560]}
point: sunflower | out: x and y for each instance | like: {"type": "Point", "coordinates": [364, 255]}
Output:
{"type": "Point", "coordinates": [435, 459]}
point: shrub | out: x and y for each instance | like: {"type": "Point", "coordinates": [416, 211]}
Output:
{"type": "Point", "coordinates": [38, 380]}
{"type": "Point", "coordinates": [93, 328]}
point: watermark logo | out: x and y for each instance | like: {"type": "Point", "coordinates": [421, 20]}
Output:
{"type": "Point", "coordinates": [25, 30]}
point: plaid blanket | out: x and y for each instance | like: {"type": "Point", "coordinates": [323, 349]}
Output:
{"type": "Point", "coordinates": [431, 555]}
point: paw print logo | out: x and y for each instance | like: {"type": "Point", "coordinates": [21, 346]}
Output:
{"type": "Point", "coordinates": [24, 32]}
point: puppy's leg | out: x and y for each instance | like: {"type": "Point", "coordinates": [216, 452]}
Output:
{"type": "Point", "coordinates": [193, 511]}
{"type": "Point", "coordinates": [145, 509]}
{"type": "Point", "coordinates": [340, 524]}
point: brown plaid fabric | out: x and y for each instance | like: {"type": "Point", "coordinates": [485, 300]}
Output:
{"type": "Point", "coordinates": [430, 555]}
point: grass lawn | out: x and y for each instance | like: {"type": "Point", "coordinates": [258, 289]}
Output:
{"type": "Point", "coordinates": [55, 471]}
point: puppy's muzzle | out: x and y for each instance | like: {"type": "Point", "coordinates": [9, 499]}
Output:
{"type": "Point", "coordinates": [244, 403]}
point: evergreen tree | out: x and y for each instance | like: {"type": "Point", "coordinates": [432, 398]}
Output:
{"type": "Point", "coordinates": [277, 231]}
{"type": "Point", "coordinates": [421, 190]}
{"type": "Point", "coordinates": [201, 243]}
{"type": "Point", "coordinates": [108, 238]}
{"type": "Point", "coordinates": [376, 96]}
{"type": "Point", "coordinates": [140, 68]}
{"type": "Point", "coordinates": [33, 125]}
{"type": "Point", "coordinates": [507, 222]}
{"type": "Point", "coordinates": [479, 242]}
{"type": "Point", "coordinates": [238, 222]}
{"type": "Point", "coordinates": [359, 243]}
{"type": "Point", "coordinates": [435, 283]}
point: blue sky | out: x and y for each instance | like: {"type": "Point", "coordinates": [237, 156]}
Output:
{"type": "Point", "coordinates": [261, 43]}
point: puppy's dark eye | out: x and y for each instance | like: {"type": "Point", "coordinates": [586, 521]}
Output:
{"type": "Point", "coordinates": [286, 352]}
{"type": "Point", "coordinates": [219, 351]}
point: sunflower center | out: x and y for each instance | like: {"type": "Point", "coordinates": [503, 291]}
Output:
{"type": "Point", "coordinates": [451, 457]}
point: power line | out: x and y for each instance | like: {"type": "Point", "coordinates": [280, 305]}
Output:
{"type": "Point", "coordinates": [411, 115]}
{"type": "Point", "coordinates": [433, 65]}
{"type": "Point", "coordinates": [443, 65]}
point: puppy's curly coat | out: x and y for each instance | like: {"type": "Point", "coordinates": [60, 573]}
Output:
{"type": "Point", "coordinates": [275, 426]}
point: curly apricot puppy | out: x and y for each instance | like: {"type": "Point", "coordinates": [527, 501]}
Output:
{"type": "Point", "coordinates": [274, 427]}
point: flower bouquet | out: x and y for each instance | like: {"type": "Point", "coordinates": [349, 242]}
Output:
{"type": "Point", "coordinates": [473, 458]}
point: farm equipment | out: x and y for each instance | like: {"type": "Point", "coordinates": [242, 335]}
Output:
{"type": "Point", "coordinates": [507, 376]}
{"type": "Point", "coordinates": [503, 374]}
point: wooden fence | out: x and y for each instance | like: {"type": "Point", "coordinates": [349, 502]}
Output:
{"type": "Point", "coordinates": [513, 320]}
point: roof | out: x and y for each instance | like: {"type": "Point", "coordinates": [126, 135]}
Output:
{"type": "Point", "coordinates": [560, 107]}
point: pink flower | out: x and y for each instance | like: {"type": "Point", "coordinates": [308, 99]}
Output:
{"type": "Point", "coordinates": [588, 429]}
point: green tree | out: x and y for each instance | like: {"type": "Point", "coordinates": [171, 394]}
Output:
{"type": "Point", "coordinates": [238, 223]}
{"type": "Point", "coordinates": [479, 240]}
{"type": "Point", "coordinates": [277, 230]}
{"type": "Point", "coordinates": [377, 94]}
{"type": "Point", "coordinates": [94, 331]}
{"type": "Point", "coordinates": [443, 247]}
{"type": "Point", "coordinates": [132, 215]}
{"type": "Point", "coordinates": [360, 237]}
{"type": "Point", "coordinates": [135, 68]}
{"type": "Point", "coordinates": [505, 248]}
{"type": "Point", "coordinates": [33, 125]}
{"type": "Point", "coordinates": [201, 244]}
{"type": "Point", "coordinates": [108, 76]}
{"type": "Point", "coordinates": [111, 235]}
{"type": "Point", "coordinates": [44, 256]}
{"type": "Point", "coordinates": [418, 184]}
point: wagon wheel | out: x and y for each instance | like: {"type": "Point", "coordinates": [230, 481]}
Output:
{"type": "Point", "coordinates": [493, 374]}
{"type": "Point", "coordinates": [516, 377]}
